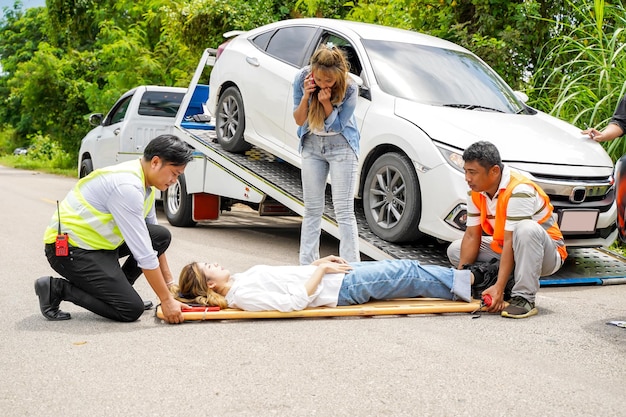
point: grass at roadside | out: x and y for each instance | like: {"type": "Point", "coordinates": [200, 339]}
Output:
{"type": "Point", "coordinates": [30, 164]}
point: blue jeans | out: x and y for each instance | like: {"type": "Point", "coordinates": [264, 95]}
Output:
{"type": "Point", "coordinates": [402, 278]}
{"type": "Point", "coordinates": [321, 155]}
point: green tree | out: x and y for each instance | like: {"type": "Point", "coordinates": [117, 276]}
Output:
{"type": "Point", "coordinates": [81, 56]}
{"type": "Point", "coordinates": [20, 35]}
{"type": "Point", "coordinates": [201, 24]}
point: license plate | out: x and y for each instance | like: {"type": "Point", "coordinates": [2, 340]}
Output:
{"type": "Point", "coordinates": [578, 221]}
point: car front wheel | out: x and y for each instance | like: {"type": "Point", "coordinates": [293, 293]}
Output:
{"type": "Point", "coordinates": [391, 198]}
{"type": "Point", "coordinates": [86, 166]}
{"type": "Point", "coordinates": [177, 204]}
{"type": "Point", "coordinates": [230, 121]}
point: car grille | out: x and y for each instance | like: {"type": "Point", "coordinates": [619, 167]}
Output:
{"type": "Point", "coordinates": [566, 192]}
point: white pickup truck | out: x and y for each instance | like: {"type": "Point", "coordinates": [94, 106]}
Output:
{"type": "Point", "coordinates": [138, 116]}
{"type": "Point", "coordinates": [141, 114]}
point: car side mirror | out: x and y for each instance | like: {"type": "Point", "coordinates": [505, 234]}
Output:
{"type": "Point", "coordinates": [521, 95]}
{"type": "Point", "coordinates": [358, 80]}
{"type": "Point", "coordinates": [96, 119]}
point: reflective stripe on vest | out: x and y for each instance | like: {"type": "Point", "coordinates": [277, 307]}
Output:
{"type": "Point", "coordinates": [547, 222]}
{"type": "Point", "coordinates": [88, 228]}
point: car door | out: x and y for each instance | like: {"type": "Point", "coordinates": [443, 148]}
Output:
{"type": "Point", "coordinates": [110, 135]}
{"type": "Point", "coordinates": [270, 100]}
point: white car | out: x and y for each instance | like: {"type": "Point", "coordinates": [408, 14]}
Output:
{"type": "Point", "coordinates": [422, 101]}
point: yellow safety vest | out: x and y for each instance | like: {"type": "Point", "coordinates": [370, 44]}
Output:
{"type": "Point", "coordinates": [88, 228]}
{"type": "Point", "coordinates": [500, 218]}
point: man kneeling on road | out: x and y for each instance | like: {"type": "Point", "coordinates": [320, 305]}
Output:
{"type": "Point", "coordinates": [108, 215]}
{"type": "Point", "coordinates": [521, 230]}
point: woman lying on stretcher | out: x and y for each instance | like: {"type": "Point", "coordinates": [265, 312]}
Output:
{"type": "Point", "coordinates": [327, 282]}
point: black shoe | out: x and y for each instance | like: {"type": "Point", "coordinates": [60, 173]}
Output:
{"type": "Point", "coordinates": [519, 308]}
{"type": "Point", "coordinates": [49, 300]}
{"type": "Point", "coordinates": [485, 275]}
{"type": "Point", "coordinates": [147, 305]}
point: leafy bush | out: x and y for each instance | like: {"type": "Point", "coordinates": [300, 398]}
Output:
{"type": "Point", "coordinates": [47, 153]}
{"type": "Point", "coordinates": [582, 71]}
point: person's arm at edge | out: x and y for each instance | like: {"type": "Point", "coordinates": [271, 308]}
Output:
{"type": "Point", "coordinates": [609, 133]}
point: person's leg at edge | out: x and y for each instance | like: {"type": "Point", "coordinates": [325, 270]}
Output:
{"type": "Point", "coordinates": [620, 198]}
{"type": "Point", "coordinates": [403, 278]}
{"type": "Point", "coordinates": [314, 175]}
{"type": "Point", "coordinates": [95, 281]}
{"type": "Point", "coordinates": [343, 171]}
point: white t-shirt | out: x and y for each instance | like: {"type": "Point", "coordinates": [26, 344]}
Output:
{"type": "Point", "coordinates": [265, 288]}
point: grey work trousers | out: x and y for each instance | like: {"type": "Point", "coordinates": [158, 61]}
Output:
{"type": "Point", "coordinates": [535, 255]}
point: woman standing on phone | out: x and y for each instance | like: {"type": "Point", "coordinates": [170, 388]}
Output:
{"type": "Point", "coordinates": [324, 101]}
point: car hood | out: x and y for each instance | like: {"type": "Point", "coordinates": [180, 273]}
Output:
{"type": "Point", "coordinates": [535, 138]}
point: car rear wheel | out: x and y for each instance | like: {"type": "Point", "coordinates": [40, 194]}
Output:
{"type": "Point", "coordinates": [177, 204]}
{"type": "Point", "coordinates": [230, 121]}
{"type": "Point", "coordinates": [391, 198]}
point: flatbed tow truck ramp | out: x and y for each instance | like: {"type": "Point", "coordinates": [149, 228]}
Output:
{"type": "Point", "coordinates": [281, 181]}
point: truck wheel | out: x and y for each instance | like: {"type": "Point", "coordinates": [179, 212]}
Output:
{"type": "Point", "coordinates": [230, 121]}
{"type": "Point", "coordinates": [86, 166]}
{"type": "Point", "coordinates": [392, 199]}
{"type": "Point", "coordinates": [177, 204]}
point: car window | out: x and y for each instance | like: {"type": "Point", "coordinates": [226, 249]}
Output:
{"type": "Point", "coordinates": [289, 44]}
{"type": "Point", "coordinates": [160, 103]}
{"type": "Point", "coordinates": [439, 76]}
{"type": "Point", "coordinates": [119, 112]}
{"type": "Point", "coordinates": [347, 48]}
{"type": "Point", "coordinates": [263, 39]}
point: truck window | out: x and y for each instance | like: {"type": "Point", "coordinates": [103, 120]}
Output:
{"type": "Point", "coordinates": [119, 112]}
{"type": "Point", "coordinates": [160, 103]}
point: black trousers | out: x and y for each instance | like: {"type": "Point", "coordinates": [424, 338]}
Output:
{"type": "Point", "coordinates": [97, 282]}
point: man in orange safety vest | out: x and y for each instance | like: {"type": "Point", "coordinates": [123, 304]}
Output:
{"type": "Point", "coordinates": [511, 219]}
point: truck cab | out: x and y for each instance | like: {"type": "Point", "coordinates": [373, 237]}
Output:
{"type": "Point", "coordinates": [138, 116]}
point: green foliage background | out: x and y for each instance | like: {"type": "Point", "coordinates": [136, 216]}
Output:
{"type": "Point", "coordinates": [75, 57]}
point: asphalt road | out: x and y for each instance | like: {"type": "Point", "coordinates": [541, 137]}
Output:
{"type": "Point", "coordinates": [564, 362]}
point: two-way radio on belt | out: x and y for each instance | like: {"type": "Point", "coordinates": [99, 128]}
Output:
{"type": "Point", "coordinates": [61, 243]}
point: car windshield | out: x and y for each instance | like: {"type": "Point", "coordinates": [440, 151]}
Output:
{"type": "Point", "coordinates": [440, 77]}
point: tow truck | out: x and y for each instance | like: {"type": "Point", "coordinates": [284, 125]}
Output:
{"type": "Point", "coordinates": [216, 178]}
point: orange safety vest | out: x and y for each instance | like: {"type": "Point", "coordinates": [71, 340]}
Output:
{"type": "Point", "coordinates": [503, 200]}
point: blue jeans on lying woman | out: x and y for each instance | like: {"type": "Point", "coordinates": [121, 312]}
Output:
{"type": "Point", "coordinates": [404, 278]}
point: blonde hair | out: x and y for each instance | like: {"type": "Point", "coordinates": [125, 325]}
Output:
{"type": "Point", "coordinates": [328, 60]}
{"type": "Point", "coordinates": [192, 288]}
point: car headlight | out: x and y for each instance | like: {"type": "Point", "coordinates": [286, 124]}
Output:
{"type": "Point", "coordinates": [454, 158]}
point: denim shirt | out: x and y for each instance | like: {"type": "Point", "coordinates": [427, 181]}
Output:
{"type": "Point", "coordinates": [341, 120]}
